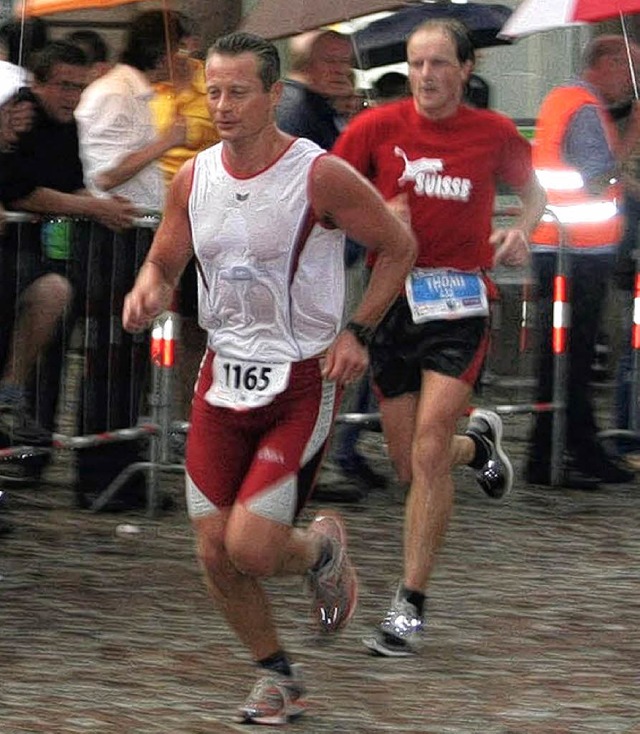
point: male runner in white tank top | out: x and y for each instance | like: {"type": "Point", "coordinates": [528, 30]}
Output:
{"type": "Point", "coordinates": [261, 211]}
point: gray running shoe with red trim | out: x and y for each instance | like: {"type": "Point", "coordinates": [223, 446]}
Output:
{"type": "Point", "coordinates": [334, 586]}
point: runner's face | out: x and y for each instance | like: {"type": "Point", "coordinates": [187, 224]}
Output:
{"type": "Point", "coordinates": [436, 77]}
{"type": "Point", "coordinates": [238, 104]}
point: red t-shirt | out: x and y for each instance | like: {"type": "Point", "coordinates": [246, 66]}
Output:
{"type": "Point", "coordinates": [449, 168]}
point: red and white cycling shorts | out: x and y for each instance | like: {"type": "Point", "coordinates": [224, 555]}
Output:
{"type": "Point", "coordinates": [266, 457]}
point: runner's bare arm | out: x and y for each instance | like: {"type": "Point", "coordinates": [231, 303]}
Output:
{"type": "Point", "coordinates": [170, 252]}
{"type": "Point", "coordinates": [512, 243]}
{"type": "Point", "coordinates": [340, 195]}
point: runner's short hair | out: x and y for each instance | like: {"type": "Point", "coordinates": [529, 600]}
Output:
{"type": "Point", "coordinates": [457, 32]}
{"type": "Point", "coordinates": [238, 43]}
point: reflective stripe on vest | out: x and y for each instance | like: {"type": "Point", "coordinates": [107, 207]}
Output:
{"type": "Point", "coordinates": [586, 220]}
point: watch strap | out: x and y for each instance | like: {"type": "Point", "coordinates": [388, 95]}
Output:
{"type": "Point", "coordinates": [364, 334]}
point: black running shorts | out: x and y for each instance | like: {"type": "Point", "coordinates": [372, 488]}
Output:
{"type": "Point", "coordinates": [402, 350]}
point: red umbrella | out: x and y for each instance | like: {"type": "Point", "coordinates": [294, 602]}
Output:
{"type": "Point", "coordinates": [283, 18]}
{"type": "Point", "coordinates": [594, 10]}
{"type": "Point", "coordinates": [532, 16]}
{"type": "Point", "coordinates": [540, 15]}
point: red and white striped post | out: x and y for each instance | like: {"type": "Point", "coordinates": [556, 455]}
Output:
{"type": "Point", "coordinates": [164, 334]}
{"type": "Point", "coordinates": [635, 352]}
{"type": "Point", "coordinates": [561, 314]}
{"type": "Point", "coordinates": [635, 333]}
{"type": "Point", "coordinates": [162, 347]}
{"type": "Point", "coordinates": [561, 323]}
{"type": "Point", "coordinates": [163, 340]}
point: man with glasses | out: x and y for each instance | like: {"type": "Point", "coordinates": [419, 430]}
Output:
{"type": "Point", "coordinates": [43, 174]}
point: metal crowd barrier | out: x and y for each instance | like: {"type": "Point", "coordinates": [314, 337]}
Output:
{"type": "Point", "coordinates": [159, 427]}
{"type": "Point", "coordinates": [561, 326]}
{"type": "Point", "coordinates": [102, 267]}
{"type": "Point", "coordinates": [164, 333]}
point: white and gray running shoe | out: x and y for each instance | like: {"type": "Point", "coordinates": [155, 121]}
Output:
{"type": "Point", "coordinates": [275, 700]}
{"type": "Point", "coordinates": [400, 634]}
{"type": "Point", "coordinates": [496, 476]}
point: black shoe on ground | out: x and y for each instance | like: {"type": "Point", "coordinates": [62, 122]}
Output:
{"type": "Point", "coordinates": [539, 474]}
{"type": "Point", "coordinates": [496, 476]}
{"type": "Point", "coordinates": [602, 467]}
{"type": "Point", "coordinates": [358, 468]}
{"type": "Point", "coordinates": [336, 492]}
{"type": "Point", "coordinates": [18, 428]}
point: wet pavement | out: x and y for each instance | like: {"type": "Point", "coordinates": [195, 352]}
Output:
{"type": "Point", "coordinates": [534, 614]}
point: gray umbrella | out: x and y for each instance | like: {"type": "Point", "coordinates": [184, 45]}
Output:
{"type": "Point", "coordinates": [383, 41]}
{"type": "Point", "coordinates": [282, 18]}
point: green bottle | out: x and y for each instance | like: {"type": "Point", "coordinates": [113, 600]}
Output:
{"type": "Point", "coordinates": [56, 238]}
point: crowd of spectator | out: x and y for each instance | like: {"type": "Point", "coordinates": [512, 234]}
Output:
{"type": "Point", "coordinates": [80, 142]}
{"type": "Point", "coordinates": [84, 136]}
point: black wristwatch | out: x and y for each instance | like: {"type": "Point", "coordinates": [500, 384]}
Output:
{"type": "Point", "coordinates": [364, 334]}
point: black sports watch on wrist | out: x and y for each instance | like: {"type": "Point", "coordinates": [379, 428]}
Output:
{"type": "Point", "coordinates": [364, 334]}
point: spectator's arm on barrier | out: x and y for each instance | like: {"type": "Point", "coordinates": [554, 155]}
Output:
{"type": "Point", "coordinates": [170, 251]}
{"type": "Point", "coordinates": [115, 212]}
{"type": "Point", "coordinates": [512, 243]}
{"type": "Point", "coordinates": [341, 197]}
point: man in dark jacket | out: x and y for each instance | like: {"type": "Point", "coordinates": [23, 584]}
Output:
{"type": "Point", "coordinates": [43, 174]}
{"type": "Point", "coordinates": [320, 69]}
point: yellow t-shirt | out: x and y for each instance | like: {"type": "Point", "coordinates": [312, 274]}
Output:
{"type": "Point", "coordinates": [191, 103]}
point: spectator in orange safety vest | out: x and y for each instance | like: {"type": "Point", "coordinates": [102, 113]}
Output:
{"type": "Point", "coordinates": [577, 154]}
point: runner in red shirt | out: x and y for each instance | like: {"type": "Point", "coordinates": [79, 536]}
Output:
{"type": "Point", "coordinates": [437, 162]}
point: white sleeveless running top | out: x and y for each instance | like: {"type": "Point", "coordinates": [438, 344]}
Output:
{"type": "Point", "coordinates": [270, 280]}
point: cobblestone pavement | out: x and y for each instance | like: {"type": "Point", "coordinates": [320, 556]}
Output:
{"type": "Point", "coordinates": [533, 621]}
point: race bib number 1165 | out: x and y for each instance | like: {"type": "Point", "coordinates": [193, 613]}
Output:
{"type": "Point", "coordinates": [242, 384]}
